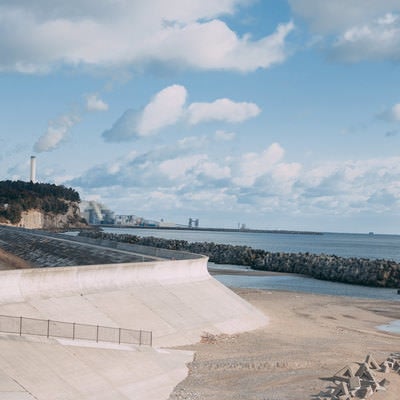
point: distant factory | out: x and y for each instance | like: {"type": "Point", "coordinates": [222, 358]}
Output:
{"type": "Point", "coordinates": [96, 213]}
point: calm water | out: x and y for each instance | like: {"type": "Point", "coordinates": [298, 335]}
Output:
{"type": "Point", "coordinates": [296, 283]}
{"type": "Point", "coordinates": [340, 244]}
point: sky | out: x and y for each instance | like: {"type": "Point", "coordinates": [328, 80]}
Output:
{"type": "Point", "coordinates": [276, 114]}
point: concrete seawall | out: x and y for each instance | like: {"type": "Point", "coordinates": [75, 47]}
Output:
{"type": "Point", "coordinates": [176, 299]}
{"type": "Point", "coordinates": [22, 285]}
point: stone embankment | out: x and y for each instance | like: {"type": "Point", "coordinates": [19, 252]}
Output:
{"type": "Point", "coordinates": [361, 271]}
{"type": "Point", "coordinates": [24, 248]}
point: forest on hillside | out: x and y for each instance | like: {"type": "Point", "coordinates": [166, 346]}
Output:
{"type": "Point", "coordinates": [18, 196]}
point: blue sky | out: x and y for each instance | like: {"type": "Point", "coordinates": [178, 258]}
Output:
{"type": "Point", "coordinates": [275, 114]}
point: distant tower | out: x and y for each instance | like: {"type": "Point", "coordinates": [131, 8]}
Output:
{"type": "Point", "coordinates": [33, 169]}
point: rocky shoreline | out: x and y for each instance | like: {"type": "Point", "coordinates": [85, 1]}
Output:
{"type": "Point", "coordinates": [360, 271]}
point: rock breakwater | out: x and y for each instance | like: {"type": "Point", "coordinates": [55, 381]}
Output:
{"type": "Point", "coordinates": [360, 271]}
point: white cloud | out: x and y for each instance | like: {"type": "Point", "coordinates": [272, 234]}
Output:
{"type": "Point", "coordinates": [166, 108]}
{"type": "Point", "coordinates": [249, 184]}
{"type": "Point", "coordinates": [213, 45]}
{"type": "Point", "coordinates": [180, 166]}
{"type": "Point", "coordinates": [124, 128]}
{"type": "Point", "coordinates": [377, 40]}
{"type": "Point", "coordinates": [94, 103]}
{"type": "Point", "coordinates": [56, 132]}
{"type": "Point", "coordinates": [335, 17]}
{"type": "Point", "coordinates": [221, 110]}
{"type": "Point", "coordinates": [353, 30]}
{"type": "Point", "coordinates": [255, 165]}
{"type": "Point", "coordinates": [213, 170]}
{"type": "Point", "coordinates": [36, 36]}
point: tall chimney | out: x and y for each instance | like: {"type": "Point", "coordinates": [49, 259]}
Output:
{"type": "Point", "coordinates": [33, 169]}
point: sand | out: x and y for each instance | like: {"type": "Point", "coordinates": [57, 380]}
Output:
{"type": "Point", "coordinates": [308, 339]}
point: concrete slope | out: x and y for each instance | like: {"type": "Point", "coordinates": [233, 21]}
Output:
{"type": "Point", "coordinates": [32, 368]}
{"type": "Point", "coordinates": [176, 299]}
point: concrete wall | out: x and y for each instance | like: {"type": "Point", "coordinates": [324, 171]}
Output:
{"type": "Point", "coordinates": [176, 299]}
{"type": "Point", "coordinates": [23, 285]}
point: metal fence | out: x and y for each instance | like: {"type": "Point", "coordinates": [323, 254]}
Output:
{"type": "Point", "coordinates": [72, 330]}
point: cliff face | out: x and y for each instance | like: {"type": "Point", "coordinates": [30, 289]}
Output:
{"type": "Point", "coordinates": [39, 205]}
{"type": "Point", "coordinates": [38, 219]}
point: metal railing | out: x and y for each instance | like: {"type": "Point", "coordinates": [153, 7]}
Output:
{"type": "Point", "coordinates": [74, 331]}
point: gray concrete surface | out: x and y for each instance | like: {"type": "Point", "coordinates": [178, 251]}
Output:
{"type": "Point", "coordinates": [176, 299]}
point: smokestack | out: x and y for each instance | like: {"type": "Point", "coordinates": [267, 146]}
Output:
{"type": "Point", "coordinates": [33, 169]}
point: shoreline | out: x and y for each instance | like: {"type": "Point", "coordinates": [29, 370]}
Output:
{"type": "Point", "coordinates": [249, 272]}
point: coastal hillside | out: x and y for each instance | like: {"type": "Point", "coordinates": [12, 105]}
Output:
{"type": "Point", "coordinates": [39, 205]}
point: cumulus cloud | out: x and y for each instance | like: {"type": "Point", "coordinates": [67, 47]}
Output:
{"type": "Point", "coordinates": [166, 108]}
{"type": "Point", "coordinates": [179, 167]}
{"type": "Point", "coordinates": [255, 165]}
{"type": "Point", "coordinates": [378, 40]}
{"type": "Point", "coordinates": [251, 184]}
{"type": "Point", "coordinates": [94, 103]}
{"type": "Point", "coordinates": [56, 133]}
{"type": "Point", "coordinates": [353, 30]}
{"type": "Point", "coordinates": [36, 36]}
{"type": "Point", "coordinates": [124, 128]}
{"type": "Point", "coordinates": [221, 110]}
{"type": "Point", "coordinates": [169, 107]}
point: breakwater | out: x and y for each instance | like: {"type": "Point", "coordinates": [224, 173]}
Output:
{"type": "Point", "coordinates": [361, 271]}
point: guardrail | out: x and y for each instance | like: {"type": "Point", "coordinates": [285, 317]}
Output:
{"type": "Point", "coordinates": [74, 331]}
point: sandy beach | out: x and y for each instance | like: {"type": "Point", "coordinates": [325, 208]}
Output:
{"type": "Point", "coordinates": [309, 338]}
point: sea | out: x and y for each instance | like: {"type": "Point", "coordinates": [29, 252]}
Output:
{"type": "Point", "coordinates": [341, 244]}
{"type": "Point", "coordinates": [372, 246]}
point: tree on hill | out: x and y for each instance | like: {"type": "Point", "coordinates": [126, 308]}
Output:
{"type": "Point", "coordinates": [18, 196]}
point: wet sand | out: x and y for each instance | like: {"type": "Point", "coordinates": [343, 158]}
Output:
{"type": "Point", "coordinates": [308, 339]}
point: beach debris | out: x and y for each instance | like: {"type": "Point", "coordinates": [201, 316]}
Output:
{"type": "Point", "coordinates": [361, 380]}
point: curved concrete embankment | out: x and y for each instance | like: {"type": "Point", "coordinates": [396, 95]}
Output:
{"type": "Point", "coordinates": [176, 299]}
{"type": "Point", "coordinates": [23, 285]}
